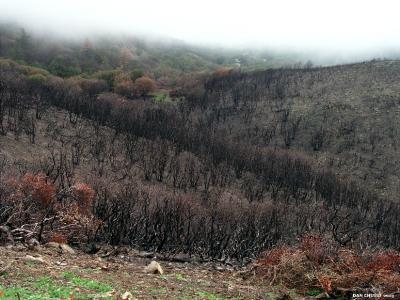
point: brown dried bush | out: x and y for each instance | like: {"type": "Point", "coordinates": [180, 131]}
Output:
{"type": "Point", "coordinates": [37, 208]}
{"type": "Point", "coordinates": [316, 263]}
{"type": "Point", "coordinates": [58, 238]}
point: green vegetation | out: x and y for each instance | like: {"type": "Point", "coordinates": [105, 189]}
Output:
{"type": "Point", "coordinates": [161, 97]}
{"type": "Point", "coordinates": [52, 289]}
{"type": "Point", "coordinates": [86, 283]}
{"type": "Point", "coordinates": [209, 296]}
{"type": "Point", "coordinates": [15, 292]}
{"type": "Point", "coordinates": [180, 277]}
{"type": "Point", "coordinates": [166, 62]}
{"type": "Point", "coordinates": [47, 287]}
{"type": "Point", "coordinates": [314, 292]}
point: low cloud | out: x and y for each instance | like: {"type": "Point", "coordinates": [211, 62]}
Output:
{"type": "Point", "coordinates": [341, 28]}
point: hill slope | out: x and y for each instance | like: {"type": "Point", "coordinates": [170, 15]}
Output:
{"type": "Point", "coordinates": [235, 168]}
{"type": "Point", "coordinates": [346, 117]}
{"type": "Point", "coordinates": [247, 157]}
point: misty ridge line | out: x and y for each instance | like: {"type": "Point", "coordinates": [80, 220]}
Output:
{"type": "Point", "coordinates": [100, 38]}
{"type": "Point", "coordinates": [307, 30]}
{"type": "Point", "coordinates": [342, 25]}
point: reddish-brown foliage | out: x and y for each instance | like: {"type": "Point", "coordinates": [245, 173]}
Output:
{"type": "Point", "coordinates": [314, 247]}
{"type": "Point", "coordinates": [125, 88]}
{"type": "Point", "coordinates": [38, 188]}
{"type": "Point", "coordinates": [59, 238]}
{"type": "Point", "coordinates": [388, 260]}
{"type": "Point", "coordinates": [317, 263]}
{"type": "Point", "coordinates": [144, 85]}
{"type": "Point", "coordinates": [84, 195]}
{"type": "Point", "coordinates": [273, 257]}
{"type": "Point", "coordinates": [50, 213]}
{"type": "Point", "coordinates": [326, 283]}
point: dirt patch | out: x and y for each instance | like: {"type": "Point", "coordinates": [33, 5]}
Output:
{"type": "Point", "coordinates": [83, 276]}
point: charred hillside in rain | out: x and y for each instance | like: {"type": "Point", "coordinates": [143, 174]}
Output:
{"type": "Point", "coordinates": [231, 170]}
{"type": "Point", "coordinates": [347, 118]}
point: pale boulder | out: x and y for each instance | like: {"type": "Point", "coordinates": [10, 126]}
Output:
{"type": "Point", "coordinates": [127, 296]}
{"type": "Point", "coordinates": [154, 268]}
{"type": "Point", "coordinates": [67, 249]}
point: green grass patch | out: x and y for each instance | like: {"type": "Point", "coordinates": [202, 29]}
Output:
{"type": "Point", "coordinates": [87, 283]}
{"type": "Point", "coordinates": [164, 98]}
{"type": "Point", "coordinates": [164, 277]}
{"type": "Point", "coordinates": [209, 296]}
{"type": "Point", "coordinates": [314, 292]}
{"type": "Point", "coordinates": [180, 277]}
{"type": "Point", "coordinates": [52, 289]}
{"type": "Point", "coordinates": [18, 293]}
{"type": "Point", "coordinates": [43, 288]}
{"type": "Point", "coordinates": [161, 97]}
{"type": "Point", "coordinates": [47, 287]}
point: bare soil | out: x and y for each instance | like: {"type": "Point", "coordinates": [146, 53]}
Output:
{"type": "Point", "coordinates": [84, 276]}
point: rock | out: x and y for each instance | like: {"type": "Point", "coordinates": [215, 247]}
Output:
{"type": "Point", "coordinates": [154, 268]}
{"type": "Point", "coordinates": [111, 294]}
{"type": "Point", "coordinates": [53, 245]}
{"type": "Point", "coordinates": [127, 296]}
{"type": "Point", "coordinates": [38, 259]}
{"type": "Point", "coordinates": [105, 268]}
{"type": "Point", "coordinates": [62, 247]}
{"type": "Point", "coordinates": [67, 249]}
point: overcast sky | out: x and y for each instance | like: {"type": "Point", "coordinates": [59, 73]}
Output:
{"type": "Point", "coordinates": [342, 25]}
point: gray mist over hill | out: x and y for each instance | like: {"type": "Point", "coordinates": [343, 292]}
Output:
{"type": "Point", "coordinates": [327, 32]}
